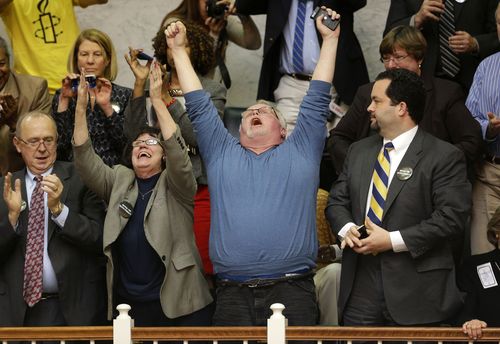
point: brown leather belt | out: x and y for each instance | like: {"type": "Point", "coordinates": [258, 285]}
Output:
{"type": "Point", "coordinates": [493, 159]}
{"type": "Point", "coordinates": [302, 77]}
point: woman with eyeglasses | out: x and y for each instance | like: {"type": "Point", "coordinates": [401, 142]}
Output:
{"type": "Point", "coordinates": [445, 114]}
{"type": "Point", "coordinates": [152, 261]}
{"type": "Point", "coordinates": [201, 53]}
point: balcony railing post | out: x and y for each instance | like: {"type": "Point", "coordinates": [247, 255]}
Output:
{"type": "Point", "coordinates": [122, 325]}
{"type": "Point", "coordinates": [276, 325]}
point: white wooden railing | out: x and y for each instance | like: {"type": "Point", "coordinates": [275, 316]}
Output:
{"type": "Point", "coordinates": [277, 332]}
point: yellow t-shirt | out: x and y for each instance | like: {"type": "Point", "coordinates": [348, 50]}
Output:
{"type": "Point", "coordinates": [41, 34]}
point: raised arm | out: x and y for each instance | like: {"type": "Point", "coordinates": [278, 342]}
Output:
{"type": "Point", "coordinates": [81, 131]}
{"type": "Point", "coordinates": [166, 122]}
{"type": "Point", "coordinates": [175, 34]}
{"type": "Point", "coordinates": [326, 63]}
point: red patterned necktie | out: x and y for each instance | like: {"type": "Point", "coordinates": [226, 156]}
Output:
{"type": "Point", "coordinates": [33, 262]}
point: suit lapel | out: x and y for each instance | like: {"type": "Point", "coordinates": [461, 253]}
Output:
{"type": "Point", "coordinates": [411, 159]}
{"type": "Point", "coordinates": [369, 156]}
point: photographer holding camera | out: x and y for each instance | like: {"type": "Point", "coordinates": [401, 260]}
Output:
{"type": "Point", "coordinates": [221, 20]}
{"type": "Point", "coordinates": [94, 51]}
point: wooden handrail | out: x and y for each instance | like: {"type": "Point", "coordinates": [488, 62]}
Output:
{"type": "Point", "coordinates": [245, 333]}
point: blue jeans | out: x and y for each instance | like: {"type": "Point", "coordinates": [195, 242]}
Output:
{"type": "Point", "coordinates": [241, 305]}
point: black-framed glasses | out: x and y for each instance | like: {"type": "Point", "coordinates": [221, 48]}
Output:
{"type": "Point", "coordinates": [265, 110]}
{"type": "Point", "coordinates": [35, 142]}
{"type": "Point", "coordinates": [148, 142]}
{"type": "Point", "coordinates": [396, 59]}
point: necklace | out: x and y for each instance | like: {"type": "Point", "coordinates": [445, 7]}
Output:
{"type": "Point", "coordinates": [143, 195]}
{"type": "Point", "coordinates": [175, 92]}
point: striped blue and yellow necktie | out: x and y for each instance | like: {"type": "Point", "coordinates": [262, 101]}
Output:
{"type": "Point", "coordinates": [380, 184]}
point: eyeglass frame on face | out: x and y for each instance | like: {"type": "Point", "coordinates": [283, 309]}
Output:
{"type": "Point", "coordinates": [147, 142]}
{"type": "Point", "coordinates": [48, 142]}
{"type": "Point", "coordinates": [249, 112]}
{"type": "Point", "coordinates": [395, 59]}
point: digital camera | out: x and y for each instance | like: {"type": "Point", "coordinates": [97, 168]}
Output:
{"type": "Point", "coordinates": [215, 11]}
{"type": "Point", "coordinates": [91, 79]}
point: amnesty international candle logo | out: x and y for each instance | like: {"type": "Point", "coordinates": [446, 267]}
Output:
{"type": "Point", "coordinates": [46, 23]}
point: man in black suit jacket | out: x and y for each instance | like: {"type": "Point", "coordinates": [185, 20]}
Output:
{"type": "Point", "coordinates": [402, 273]}
{"type": "Point", "coordinates": [350, 66]}
{"type": "Point", "coordinates": [445, 114]}
{"type": "Point", "coordinates": [73, 271]}
{"type": "Point", "coordinates": [475, 28]}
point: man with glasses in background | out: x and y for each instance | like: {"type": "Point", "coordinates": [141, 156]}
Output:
{"type": "Point", "coordinates": [263, 242]}
{"type": "Point", "coordinates": [50, 237]}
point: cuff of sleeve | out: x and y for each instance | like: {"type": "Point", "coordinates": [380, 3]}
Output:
{"type": "Point", "coordinates": [398, 244]}
{"type": "Point", "coordinates": [60, 219]}
{"type": "Point", "coordinates": [345, 228]}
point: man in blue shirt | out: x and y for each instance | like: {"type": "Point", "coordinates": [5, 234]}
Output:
{"type": "Point", "coordinates": [263, 189]}
{"type": "Point", "coordinates": [484, 104]}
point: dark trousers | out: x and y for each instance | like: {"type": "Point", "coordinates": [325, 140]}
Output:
{"type": "Point", "coordinates": [241, 305]}
{"type": "Point", "coordinates": [366, 305]}
{"type": "Point", "coordinates": [150, 314]}
{"type": "Point", "coordinates": [46, 312]}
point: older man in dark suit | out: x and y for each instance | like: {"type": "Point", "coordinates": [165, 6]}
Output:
{"type": "Point", "coordinates": [466, 30]}
{"type": "Point", "coordinates": [51, 270]}
{"type": "Point", "coordinates": [413, 199]}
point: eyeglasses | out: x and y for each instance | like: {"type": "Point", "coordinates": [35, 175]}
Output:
{"type": "Point", "coordinates": [148, 142]}
{"type": "Point", "coordinates": [265, 110]}
{"type": "Point", "coordinates": [396, 59]}
{"type": "Point", "coordinates": [35, 142]}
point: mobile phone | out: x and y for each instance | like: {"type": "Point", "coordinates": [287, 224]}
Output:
{"type": "Point", "coordinates": [143, 56]}
{"type": "Point", "coordinates": [91, 79]}
{"type": "Point", "coordinates": [362, 231]}
{"type": "Point", "coordinates": [327, 20]}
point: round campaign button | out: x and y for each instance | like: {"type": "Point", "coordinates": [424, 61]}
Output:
{"type": "Point", "coordinates": [125, 209]}
{"type": "Point", "coordinates": [404, 173]}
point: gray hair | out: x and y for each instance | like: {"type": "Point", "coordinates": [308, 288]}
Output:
{"type": "Point", "coordinates": [33, 114]}
{"type": "Point", "coordinates": [280, 116]}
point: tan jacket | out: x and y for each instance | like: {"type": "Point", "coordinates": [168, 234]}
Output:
{"type": "Point", "coordinates": [32, 94]}
{"type": "Point", "coordinates": [168, 222]}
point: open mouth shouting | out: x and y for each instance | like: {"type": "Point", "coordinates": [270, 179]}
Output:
{"type": "Point", "coordinates": [144, 154]}
{"type": "Point", "coordinates": [256, 121]}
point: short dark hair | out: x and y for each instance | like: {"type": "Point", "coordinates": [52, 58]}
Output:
{"type": "Point", "coordinates": [3, 44]}
{"type": "Point", "coordinates": [127, 151]}
{"type": "Point", "coordinates": [405, 87]}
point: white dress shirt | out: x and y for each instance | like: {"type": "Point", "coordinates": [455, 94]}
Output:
{"type": "Point", "coordinates": [401, 144]}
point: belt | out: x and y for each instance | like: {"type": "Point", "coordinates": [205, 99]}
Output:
{"type": "Point", "coordinates": [302, 77]}
{"type": "Point", "coordinates": [264, 282]}
{"type": "Point", "coordinates": [493, 159]}
{"type": "Point", "coordinates": [47, 296]}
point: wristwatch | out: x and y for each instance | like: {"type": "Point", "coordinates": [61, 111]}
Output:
{"type": "Point", "coordinates": [57, 211]}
